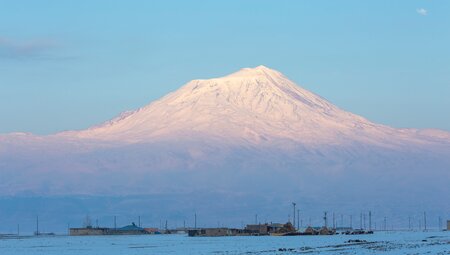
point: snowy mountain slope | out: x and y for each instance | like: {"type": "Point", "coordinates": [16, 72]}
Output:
{"type": "Point", "coordinates": [256, 105]}
{"type": "Point", "coordinates": [253, 136]}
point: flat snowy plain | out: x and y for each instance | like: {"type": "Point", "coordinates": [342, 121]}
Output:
{"type": "Point", "coordinates": [378, 243]}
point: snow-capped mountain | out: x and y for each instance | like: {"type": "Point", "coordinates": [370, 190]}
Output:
{"type": "Point", "coordinates": [255, 105]}
{"type": "Point", "coordinates": [253, 136]}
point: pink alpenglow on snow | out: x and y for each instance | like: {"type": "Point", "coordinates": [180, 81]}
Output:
{"type": "Point", "coordinates": [246, 140]}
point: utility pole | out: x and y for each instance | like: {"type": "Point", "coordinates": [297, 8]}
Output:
{"type": "Point", "coordinates": [384, 226]}
{"type": "Point", "coordinates": [18, 229]}
{"type": "Point", "coordinates": [342, 220]}
{"type": "Point", "coordinates": [334, 222]}
{"type": "Point", "coordinates": [195, 221]}
{"type": "Point", "coordinates": [364, 217]}
{"type": "Point", "coordinates": [256, 219]}
{"type": "Point", "coordinates": [351, 221]}
{"type": "Point", "coordinates": [298, 219]}
{"type": "Point", "coordinates": [139, 221]}
{"type": "Point", "coordinates": [293, 216]}
{"type": "Point", "coordinates": [425, 220]}
{"type": "Point", "coordinates": [37, 225]}
{"type": "Point", "coordinates": [115, 222]}
{"type": "Point", "coordinates": [370, 220]}
{"type": "Point", "coordinates": [360, 221]}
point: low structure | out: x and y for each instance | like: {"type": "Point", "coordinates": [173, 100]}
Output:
{"type": "Point", "coordinates": [216, 232]}
{"type": "Point", "coordinates": [270, 229]}
{"type": "Point", "coordinates": [343, 229]}
{"type": "Point", "coordinates": [357, 232]}
{"type": "Point", "coordinates": [127, 230]}
{"type": "Point", "coordinates": [318, 231]}
{"type": "Point", "coordinates": [250, 230]}
{"type": "Point", "coordinates": [258, 229]}
{"type": "Point", "coordinates": [153, 231]}
{"type": "Point", "coordinates": [88, 231]}
{"type": "Point", "coordinates": [326, 231]}
{"type": "Point", "coordinates": [448, 225]}
{"type": "Point", "coordinates": [311, 231]}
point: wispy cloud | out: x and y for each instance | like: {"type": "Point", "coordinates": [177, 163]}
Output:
{"type": "Point", "coordinates": [10, 48]}
{"type": "Point", "coordinates": [422, 11]}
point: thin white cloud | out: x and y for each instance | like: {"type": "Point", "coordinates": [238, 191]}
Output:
{"type": "Point", "coordinates": [422, 11]}
{"type": "Point", "coordinates": [10, 48]}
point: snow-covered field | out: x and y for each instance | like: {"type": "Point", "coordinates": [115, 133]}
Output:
{"type": "Point", "coordinates": [378, 243]}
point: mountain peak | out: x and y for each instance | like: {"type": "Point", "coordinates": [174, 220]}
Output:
{"type": "Point", "coordinates": [253, 104]}
{"type": "Point", "coordinates": [256, 105]}
{"type": "Point", "coordinates": [256, 72]}
{"type": "Point", "coordinates": [262, 68]}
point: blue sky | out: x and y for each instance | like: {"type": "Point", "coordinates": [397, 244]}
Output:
{"type": "Point", "coordinates": [72, 64]}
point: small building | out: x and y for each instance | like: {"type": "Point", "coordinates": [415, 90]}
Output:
{"type": "Point", "coordinates": [311, 231]}
{"type": "Point", "coordinates": [91, 231]}
{"type": "Point", "coordinates": [268, 229]}
{"type": "Point", "coordinates": [326, 231]}
{"type": "Point", "coordinates": [152, 231]}
{"type": "Point", "coordinates": [448, 225]}
{"type": "Point", "coordinates": [319, 231]}
{"type": "Point", "coordinates": [129, 230]}
{"type": "Point", "coordinates": [88, 231]}
{"type": "Point", "coordinates": [211, 232]}
{"type": "Point", "coordinates": [257, 229]}
{"type": "Point", "coordinates": [287, 228]}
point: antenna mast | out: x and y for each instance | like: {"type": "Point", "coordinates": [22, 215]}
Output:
{"type": "Point", "coordinates": [37, 225]}
{"type": "Point", "coordinates": [293, 223]}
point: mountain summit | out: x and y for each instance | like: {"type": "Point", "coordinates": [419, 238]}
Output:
{"type": "Point", "coordinates": [256, 105]}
